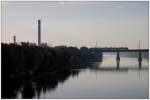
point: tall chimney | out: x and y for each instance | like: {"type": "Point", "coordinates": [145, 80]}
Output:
{"type": "Point", "coordinates": [39, 32]}
{"type": "Point", "coordinates": [14, 39]}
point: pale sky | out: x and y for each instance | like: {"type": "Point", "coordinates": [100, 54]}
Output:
{"type": "Point", "coordinates": [111, 24]}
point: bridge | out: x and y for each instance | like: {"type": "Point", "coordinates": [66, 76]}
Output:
{"type": "Point", "coordinates": [118, 50]}
{"type": "Point", "coordinates": [139, 51]}
{"type": "Point", "coordinates": [125, 50]}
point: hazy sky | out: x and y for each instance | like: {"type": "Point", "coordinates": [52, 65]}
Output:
{"type": "Point", "coordinates": [78, 23]}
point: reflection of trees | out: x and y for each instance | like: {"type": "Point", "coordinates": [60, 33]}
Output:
{"type": "Point", "coordinates": [75, 73]}
{"type": "Point", "coordinates": [27, 90]}
{"type": "Point", "coordinates": [10, 88]}
{"type": "Point", "coordinates": [50, 82]}
{"type": "Point", "coordinates": [31, 88]}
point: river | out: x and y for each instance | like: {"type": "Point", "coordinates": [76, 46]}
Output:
{"type": "Point", "coordinates": [103, 81]}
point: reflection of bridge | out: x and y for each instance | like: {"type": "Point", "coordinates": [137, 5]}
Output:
{"type": "Point", "coordinates": [113, 69]}
{"type": "Point", "coordinates": [96, 67]}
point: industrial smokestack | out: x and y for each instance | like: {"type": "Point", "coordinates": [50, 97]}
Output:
{"type": "Point", "coordinates": [14, 39]}
{"type": "Point", "coordinates": [39, 32]}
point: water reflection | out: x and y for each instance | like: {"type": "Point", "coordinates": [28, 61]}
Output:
{"type": "Point", "coordinates": [11, 88]}
{"type": "Point", "coordinates": [33, 88]}
{"type": "Point", "coordinates": [27, 90]}
{"type": "Point", "coordinates": [106, 82]}
{"type": "Point", "coordinates": [139, 72]}
{"type": "Point", "coordinates": [98, 66]}
{"type": "Point", "coordinates": [140, 64]}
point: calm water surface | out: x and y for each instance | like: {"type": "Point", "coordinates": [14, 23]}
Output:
{"type": "Point", "coordinates": [103, 80]}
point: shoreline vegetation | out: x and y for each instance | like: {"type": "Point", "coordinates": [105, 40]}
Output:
{"type": "Point", "coordinates": [24, 65]}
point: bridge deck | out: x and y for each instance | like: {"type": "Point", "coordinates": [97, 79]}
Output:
{"type": "Point", "coordinates": [129, 50]}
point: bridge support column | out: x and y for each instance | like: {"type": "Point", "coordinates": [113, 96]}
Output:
{"type": "Point", "coordinates": [118, 60]}
{"type": "Point", "coordinates": [140, 59]}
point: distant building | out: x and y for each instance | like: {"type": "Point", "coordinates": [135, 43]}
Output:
{"type": "Point", "coordinates": [32, 44]}
{"type": "Point", "coordinates": [43, 45]}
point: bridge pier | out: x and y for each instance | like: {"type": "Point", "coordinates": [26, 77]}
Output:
{"type": "Point", "coordinates": [118, 60]}
{"type": "Point", "coordinates": [140, 59]}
